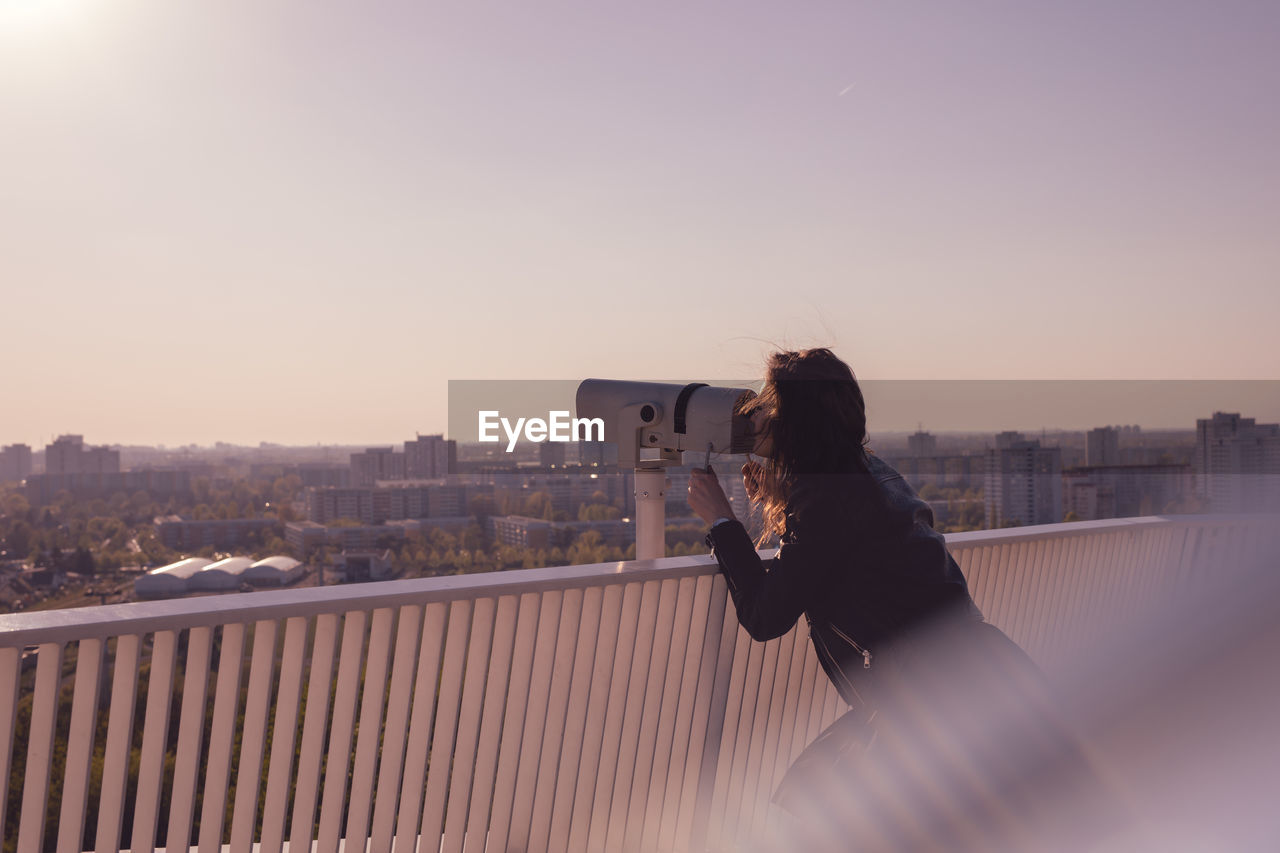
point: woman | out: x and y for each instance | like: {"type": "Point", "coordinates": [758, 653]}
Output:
{"type": "Point", "coordinates": [894, 627]}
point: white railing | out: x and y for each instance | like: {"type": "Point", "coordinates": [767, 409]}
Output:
{"type": "Point", "coordinates": [604, 707]}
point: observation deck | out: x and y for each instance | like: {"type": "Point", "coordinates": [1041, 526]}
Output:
{"type": "Point", "coordinates": [607, 707]}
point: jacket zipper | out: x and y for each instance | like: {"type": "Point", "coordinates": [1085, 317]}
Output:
{"type": "Point", "coordinates": [834, 664]}
{"type": "Point", "coordinates": [866, 655]}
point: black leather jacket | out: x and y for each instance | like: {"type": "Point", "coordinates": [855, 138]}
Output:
{"type": "Point", "coordinates": [859, 558]}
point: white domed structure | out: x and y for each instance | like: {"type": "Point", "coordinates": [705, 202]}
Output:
{"type": "Point", "coordinates": [220, 576]}
{"type": "Point", "coordinates": [277, 570]}
{"type": "Point", "coordinates": [170, 580]}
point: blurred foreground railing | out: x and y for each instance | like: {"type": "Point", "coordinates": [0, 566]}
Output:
{"type": "Point", "coordinates": [604, 707]}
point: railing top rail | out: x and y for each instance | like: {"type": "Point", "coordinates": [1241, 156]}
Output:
{"type": "Point", "coordinates": [1075, 528]}
{"type": "Point", "coordinates": [61, 626]}
{"type": "Point", "coordinates": [24, 629]}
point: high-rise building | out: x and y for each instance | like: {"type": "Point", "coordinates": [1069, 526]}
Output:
{"type": "Point", "coordinates": [1022, 482]}
{"type": "Point", "coordinates": [922, 443]}
{"type": "Point", "coordinates": [1237, 463]}
{"type": "Point", "coordinates": [428, 457]}
{"type": "Point", "coordinates": [68, 454]}
{"type": "Point", "coordinates": [63, 455]}
{"type": "Point", "coordinates": [15, 463]}
{"type": "Point", "coordinates": [376, 463]}
{"type": "Point", "coordinates": [1102, 447]}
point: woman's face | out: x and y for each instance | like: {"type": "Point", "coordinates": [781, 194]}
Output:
{"type": "Point", "coordinates": [760, 427]}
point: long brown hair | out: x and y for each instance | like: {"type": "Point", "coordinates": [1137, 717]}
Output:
{"type": "Point", "coordinates": [817, 420]}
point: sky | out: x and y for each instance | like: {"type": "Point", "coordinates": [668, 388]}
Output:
{"type": "Point", "coordinates": [296, 222]}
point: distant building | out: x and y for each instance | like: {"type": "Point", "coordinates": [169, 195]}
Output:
{"type": "Point", "coordinates": [1022, 482]}
{"type": "Point", "coordinates": [196, 574]}
{"type": "Point", "coordinates": [320, 474]}
{"type": "Point", "coordinates": [959, 471]}
{"type": "Point", "coordinates": [15, 463]}
{"type": "Point", "coordinates": [551, 454]}
{"type": "Point", "coordinates": [41, 489]}
{"type": "Point", "coordinates": [360, 565]}
{"type": "Point", "coordinates": [376, 463]}
{"type": "Point", "coordinates": [391, 503]}
{"type": "Point", "coordinates": [597, 454]}
{"type": "Point", "coordinates": [68, 454]}
{"type": "Point", "coordinates": [1237, 463]}
{"type": "Point", "coordinates": [182, 534]}
{"type": "Point", "coordinates": [1102, 447]}
{"type": "Point", "coordinates": [304, 536]}
{"type": "Point", "coordinates": [523, 531]}
{"type": "Point", "coordinates": [1123, 491]}
{"type": "Point", "coordinates": [922, 443]}
{"type": "Point", "coordinates": [429, 457]}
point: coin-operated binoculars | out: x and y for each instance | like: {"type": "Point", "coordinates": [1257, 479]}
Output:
{"type": "Point", "coordinates": [653, 424]}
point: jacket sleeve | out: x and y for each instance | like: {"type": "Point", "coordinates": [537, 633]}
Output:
{"type": "Point", "coordinates": [768, 595]}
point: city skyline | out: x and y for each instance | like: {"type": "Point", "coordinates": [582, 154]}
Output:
{"type": "Point", "coordinates": [1263, 406]}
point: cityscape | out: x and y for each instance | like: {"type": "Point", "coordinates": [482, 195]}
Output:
{"type": "Point", "coordinates": [87, 524]}
{"type": "Point", "coordinates": [312, 313]}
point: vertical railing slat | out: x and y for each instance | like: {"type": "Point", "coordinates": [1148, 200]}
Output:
{"type": "Point", "coordinates": [594, 723]}
{"type": "Point", "coordinates": [115, 762]}
{"type": "Point", "coordinates": [782, 755]}
{"type": "Point", "coordinates": [535, 719]}
{"type": "Point", "coordinates": [736, 644]}
{"type": "Point", "coordinates": [360, 800]}
{"type": "Point", "coordinates": [495, 698]}
{"type": "Point", "coordinates": [513, 722]}
{"type": "Point", "coordinates": [563, 664]}
{"type": "Point", "coordinates": [253, 736]}
{"type": "Point", "coordinates": [226, 705]}
{"type": "Point", "coordinates": [773, 732]}
{"type": "Point", "coordinates": [342, 725]}
{"type": "Point", "coordinates": [663, 747]}
{"type": "Point", "coordinates": [396, 729]}
{"type": "Point", "coordinates": [683, 723]}
{"type": "Point", "coordinates": [84, 723]}
{"type": "Point", "coordinates": [442, 737]}
{"type": "Point", "coordinates": [155, 727]}
{"type": "Point", "coordinates": [758, 736]}
{"type": "Point", "coordinates": [315, 721]}
{"type": "Point", "coordinates": [44, 716]}
{"type": "Point", "coordinates": [633, 715]}
{"type": "Point", "coordinates": [186, 766]}
{"type": "Point", "coordinates": [756, 653]}
{"type": "Point", "coordinates": [471, 709]}
{"type": "Point", "coordinates": [590, 640]}
{"type": "Point", "coordinates": [620, 678]}
{"type": "Point", "coordinates": [709, 719]}
{"type": "Point", "coordinates": [647, 732]}
{"type": "Point", "coordinates": [424, 706]}
{"type": "Point", "coordinates": [284, 734]}
{"type": "Point", "coordinates": [10, 667]}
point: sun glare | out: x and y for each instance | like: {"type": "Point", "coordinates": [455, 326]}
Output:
{"type": "Point", "coordinates": [33, 15]}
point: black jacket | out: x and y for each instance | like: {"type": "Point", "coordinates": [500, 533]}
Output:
{"type": "Point", "coordinates": [859, 558]}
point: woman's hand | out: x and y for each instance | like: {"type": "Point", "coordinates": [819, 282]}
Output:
{"type": "Point", "coordinates": [706, 498]}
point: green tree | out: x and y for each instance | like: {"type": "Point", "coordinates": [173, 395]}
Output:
{"type": "Point", "coordinates": [18, 541]}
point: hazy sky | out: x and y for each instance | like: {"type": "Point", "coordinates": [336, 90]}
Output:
{"type": "Point", "coordinates": [296, 222]}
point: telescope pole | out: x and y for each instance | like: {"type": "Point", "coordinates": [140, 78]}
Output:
{"type": "Point", "coordinates": [651, 513]}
